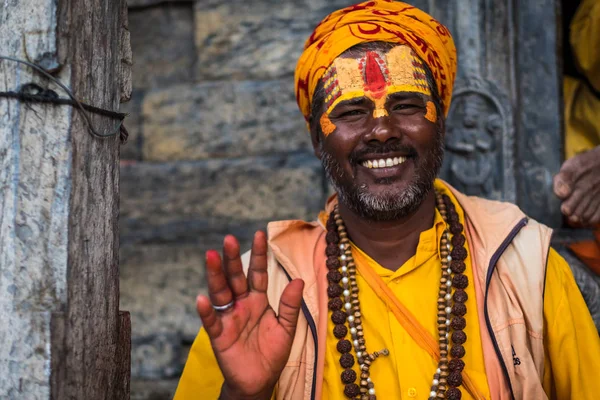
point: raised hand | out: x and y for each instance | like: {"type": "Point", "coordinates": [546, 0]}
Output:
{"type": "Point", "coordinates": [578, 185]}
{"type": "Point", "coordinates": [251, 343]}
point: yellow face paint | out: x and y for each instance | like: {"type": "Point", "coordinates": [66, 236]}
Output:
{"type": "Point", "coordinates": [326, 125]}
{"type": "Point", "coordinates": [431, 115]}
{"type": "Point", "coordinates": [374, 76]}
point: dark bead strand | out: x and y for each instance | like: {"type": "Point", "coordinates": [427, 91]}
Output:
{"type": "Point", "coordinates": [456, 364]}
{"type": "Point", "coordinates": [340, 331]}
{"type": "Point", "coordinates": [448, 376]}
{"type": "Point", "coordinates": [460, 296]}
{"type": "Point", "coordinates": [459, 309]}
{"type": "Point", "coordinates": [348, 376]}
{"type": "Point", "coordinates": [335, 304]}
{"type": "Point", "coordinates": [458, 267]}
{"type": "Point", "coordinates": [453, 394]}
{"type": "Point", "coordinates": [439, 377]}
{"type": "Point", "coordinates": [334, 276]}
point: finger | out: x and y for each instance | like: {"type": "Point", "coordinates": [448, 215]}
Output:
{"type": "Point", "coordinates": [595, 220]}
{"type": "Point", "coordinates": [210, 319]}
{"type": "Point", "coordinates": [574, 221]}
{"type": "Point", "coordinates": [234, 270]}
{"type": "Point", "coordinates": [569, 206]}
{"type": "Point", "coordinates": [218, 289]}
{"type": "Point", "coordinates": [582, 206]}
{"type": "Point", "coordinates": [289, 305]}
{"type": "Point", "coordinates": [562, 184]}
{"type": "Point", "coordinates": [257, 273]}
{"type": "Point", "coordinates": [592, 207]}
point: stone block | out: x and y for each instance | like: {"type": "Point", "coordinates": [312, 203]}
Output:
{"type": "Point", "coordinates": [181, 200]}
{"type": "Point", "coordinates": [254, 39]}
{"type": "Point", "coordinates": [159, 284]}
{"type": "Point", "coordinates": [142, 389]}
{"type": "Point", "coordinates": [133, 4]}
{"type": "Point", "coordinates": [162, 41]}
{"type": "Point", "coordinates": [224, 118]}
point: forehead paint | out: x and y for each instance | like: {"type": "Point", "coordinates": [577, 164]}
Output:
{"type": "Point", "coordinates": [375, 77]}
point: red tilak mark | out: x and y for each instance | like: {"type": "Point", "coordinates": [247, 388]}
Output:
{"type": "Point", "coordinates": [374, 78]}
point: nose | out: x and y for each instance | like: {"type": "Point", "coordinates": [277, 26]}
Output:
{"type": "Point", "coordinates": [382, 130]}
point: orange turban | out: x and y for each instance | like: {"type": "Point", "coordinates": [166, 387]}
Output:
{"type": "Point", "coordinates": [379, 20]}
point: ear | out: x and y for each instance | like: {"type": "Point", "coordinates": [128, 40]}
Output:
{"type": "Point", "coordinates": [316, 137]}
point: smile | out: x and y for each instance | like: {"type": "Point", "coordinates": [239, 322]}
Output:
{"type": "Point", "coordinates": [383, 162]}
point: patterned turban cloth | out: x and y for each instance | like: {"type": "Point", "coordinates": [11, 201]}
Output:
{"type": "Point", "coordinates": [370, 21]}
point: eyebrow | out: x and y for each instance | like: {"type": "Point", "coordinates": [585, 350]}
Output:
{"type": "Point", "coordinates": [356, 101]}
{"type": "Point", "coordinates": [406, 96]}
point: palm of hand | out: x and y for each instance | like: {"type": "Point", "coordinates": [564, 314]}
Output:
{"type": "Point", "coordinates": [252, 337]}
{"type": "Point", "coordinates": [251, 343]}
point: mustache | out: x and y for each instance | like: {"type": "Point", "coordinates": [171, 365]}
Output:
{"type": "Point", "coordinates": [382, 148]}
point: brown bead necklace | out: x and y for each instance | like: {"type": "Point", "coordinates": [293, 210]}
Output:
{"type": "Point", "coordinates": [345, 308]}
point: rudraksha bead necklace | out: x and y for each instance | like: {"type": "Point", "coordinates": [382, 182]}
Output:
{"type": "Point", "coordinates": [345, 308]}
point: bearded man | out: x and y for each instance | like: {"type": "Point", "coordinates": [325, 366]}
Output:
{"type": "Point", "coordinates": [403, 287]}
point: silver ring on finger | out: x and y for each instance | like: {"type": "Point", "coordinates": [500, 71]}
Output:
{"type": "Point", "coordinates": [225, 307]}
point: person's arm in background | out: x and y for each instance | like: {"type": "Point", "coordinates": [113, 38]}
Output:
{"type": "Point", "coordinates": [578, 182]}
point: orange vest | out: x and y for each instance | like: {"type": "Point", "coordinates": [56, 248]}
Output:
{"type": "Point", "coordinates": [509, 253]}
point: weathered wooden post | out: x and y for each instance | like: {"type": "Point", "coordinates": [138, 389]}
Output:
{"type": "Point", "coordinates": [61, 333]}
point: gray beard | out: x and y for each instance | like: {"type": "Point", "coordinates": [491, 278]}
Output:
{"type": "Point", "coordinates": [389, 205]}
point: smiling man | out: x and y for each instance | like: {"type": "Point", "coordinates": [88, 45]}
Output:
{"type": "Point", "coordinates": [403, 287]}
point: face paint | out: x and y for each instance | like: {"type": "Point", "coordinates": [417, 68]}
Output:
{"type": "Point", "coordinates": [431, 115]}
{"type": "Point", "coordinates": [326, 125]}
{"type": "Point", "coordinates": [375, 77]}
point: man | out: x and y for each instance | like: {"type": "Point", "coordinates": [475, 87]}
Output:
{"type": "Point", "coordinates": [403, 287]}
{"type": "Point", "coordinates": [578, 182]}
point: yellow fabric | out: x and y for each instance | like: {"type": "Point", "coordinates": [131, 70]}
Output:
{"type": "Point", "coordinates": [379, 20]}
{"type": "Point", "coordinates": [423, 338]}
{"type": "Point", "coordinates": [201, 378]}
{"type": "Point", "coordinates": [582, 108]}
{"type": "Point", "coordinates": [407, 373]}
{"type": "Point", "coordinates": [572, 344]}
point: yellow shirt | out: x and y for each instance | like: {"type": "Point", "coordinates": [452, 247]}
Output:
{"type": "Point", "coordinates": [571, 341]}
{"type": "Point", "coordinates": [407, 373]}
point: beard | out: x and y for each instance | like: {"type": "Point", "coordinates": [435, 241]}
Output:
{"type": "Point", "coordinates": [390, 204]}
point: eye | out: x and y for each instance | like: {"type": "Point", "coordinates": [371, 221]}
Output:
{"type": "Point", "coordinates": [405, 106]}
{"type": "Point", "coordinates": [351, 113]}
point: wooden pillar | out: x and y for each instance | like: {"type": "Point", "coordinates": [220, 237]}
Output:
{"type": "Point", "coordinates": [61, 331]}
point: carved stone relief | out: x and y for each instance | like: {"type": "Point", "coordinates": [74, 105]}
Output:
{"type": "Point", "coordinates": [479, 137]}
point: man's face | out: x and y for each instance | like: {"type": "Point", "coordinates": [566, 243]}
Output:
{"type": "Point", "coordinates": [381, 145]}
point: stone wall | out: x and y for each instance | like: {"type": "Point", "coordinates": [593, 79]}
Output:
{"type": "Point", "coordinates": [217, 145]}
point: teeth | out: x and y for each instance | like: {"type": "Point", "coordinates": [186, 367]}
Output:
{"type": "Point", "coordinates": [382, 163]}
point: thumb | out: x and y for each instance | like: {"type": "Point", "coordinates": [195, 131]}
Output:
{"type": "Point", "coordinates": [289, 305]}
